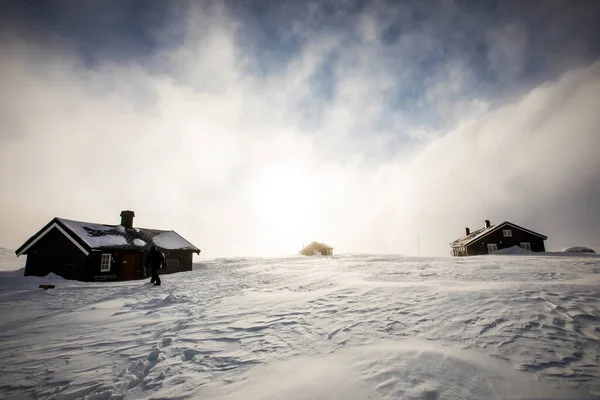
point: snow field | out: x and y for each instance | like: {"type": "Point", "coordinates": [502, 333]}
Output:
{"type": "Point", "coordinates": [341, 327]}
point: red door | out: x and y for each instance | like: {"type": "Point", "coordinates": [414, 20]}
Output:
{"type": "Point", "coordinates": [127, 266]}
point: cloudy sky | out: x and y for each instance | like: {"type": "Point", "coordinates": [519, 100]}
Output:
{"type": "Point", "coordinates": [254, 127]}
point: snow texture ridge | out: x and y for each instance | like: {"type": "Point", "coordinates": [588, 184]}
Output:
{"type": "Point", "coordinates": [341, 327]}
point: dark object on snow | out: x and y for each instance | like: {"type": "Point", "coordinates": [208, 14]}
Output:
{"type": "Point", "coordinates": [155, 260]}
{"type": "Point", "coordinates": [316, 248]}
{"type": "Point", "coordinates": [492, 238]}
{"type": "Point", "coordinates": [46, 287]}
{"type": "Point", "coordinates": [578, 249]}
{"type": "Point", "coordinates": [96, 252]}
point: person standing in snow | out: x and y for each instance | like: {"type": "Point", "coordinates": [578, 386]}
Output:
{"type": "Point", "coordinates": [155, 260]}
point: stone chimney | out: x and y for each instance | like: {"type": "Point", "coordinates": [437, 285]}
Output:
{"type": "Point", "coordinates": [487, 223]}
{"type": "Point", "coordinates": [467, 231]}
{"type": "Point", "coordinates": [127, 219]}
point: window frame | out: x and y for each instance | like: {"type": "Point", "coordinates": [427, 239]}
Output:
{"type": "Point", "coordinates": [527, 245]}
{"type": "Point", "coordinates": [103, 266]}
{"type": "Point", "coordinates": [507, 232]}
{"type": "Point", "coordinates": [494, 245]}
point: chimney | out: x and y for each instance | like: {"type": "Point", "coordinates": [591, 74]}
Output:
{"type": "Point", "coordinates": [487, 223]}
{"type": "Point", "coordinates": [467, 231]}
{"type": "Point", "coordinates": [127, 219]}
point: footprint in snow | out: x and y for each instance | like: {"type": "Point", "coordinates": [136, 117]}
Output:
{"type": "Point", "coordinates": [153, 356]}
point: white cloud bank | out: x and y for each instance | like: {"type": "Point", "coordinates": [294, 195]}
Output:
{"type": "Point", "coordinates": [232, 162]}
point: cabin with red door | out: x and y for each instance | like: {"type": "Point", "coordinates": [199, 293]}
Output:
{"type": "Point", "coordinates": [90, 252]}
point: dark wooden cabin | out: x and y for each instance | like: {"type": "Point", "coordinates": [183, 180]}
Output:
{"type": "Point", "coordinates": [95, 252]}
{"type": "Point", "coordinates": [492, 238]}
{"type": "Point", "coordinates": [316, 248]}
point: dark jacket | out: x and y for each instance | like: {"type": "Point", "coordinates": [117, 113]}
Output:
{"type": "Point", "coordinates": [155, 259]}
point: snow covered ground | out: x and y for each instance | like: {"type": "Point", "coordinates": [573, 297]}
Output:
{"type": "Point", "coordinates": [341, 327]}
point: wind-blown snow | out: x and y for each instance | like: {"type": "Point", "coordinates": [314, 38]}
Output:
{"type": "Point", "coordinates": [139, 242]}
{"type": "Point", "coordinates": [341, 327]}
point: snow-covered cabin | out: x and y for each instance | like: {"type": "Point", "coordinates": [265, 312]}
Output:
{"type": "Point", "coordinates": [316, 248]}
{"type": "Point", "coordinates": [578, 249]}
{"type": "Point", "coordinates": [96, 252]}
{"type": "Point", "coordinates": [492, 238]}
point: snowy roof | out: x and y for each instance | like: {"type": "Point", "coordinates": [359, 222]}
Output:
{"type": "Point", "coordinates": [577, 249]}
{"type": "Point", "coordinates": [93, 236]}
{"type": "Point", "coordinates": [473, 236]}
{"type": "Point", "coordinates": [478, 234]}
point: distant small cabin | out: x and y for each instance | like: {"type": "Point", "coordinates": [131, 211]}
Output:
{"type": "Point", "coordinates": [316, 248]}
{"type": "Point", "coordinates": [88, 251]}
{"type": "Point", "coordinates": [492, 238]}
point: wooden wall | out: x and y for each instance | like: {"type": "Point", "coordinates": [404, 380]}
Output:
{"type": "Point", "coordinates": [184, 261]}
{"type": "Point", "coordinates": [55, 253]}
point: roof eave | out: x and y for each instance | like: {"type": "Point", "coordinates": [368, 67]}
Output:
{"type": "Point", "coordinates": [54, 223]}
{"type": "Point", "coordinates": [20, 250]}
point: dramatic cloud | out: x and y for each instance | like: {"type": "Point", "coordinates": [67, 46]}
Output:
{"type": "Point", "coordinates": [252, 131]}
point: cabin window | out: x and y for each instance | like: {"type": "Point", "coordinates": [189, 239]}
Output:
{"type": "Point", "coordinates": [492, 247]}
{"type": "Point", "coordinates": [172, 263]}
{"type": "Point", "coordinates": [105, 262]}
{"type": "Point", "coordinates": [526, 245]}
{"type": "Point", "coordinates": [507, 233]}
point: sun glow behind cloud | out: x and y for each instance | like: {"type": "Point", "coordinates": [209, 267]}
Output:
{"type": "Point", "coordinates": [345, 140]}
{"type": "Point", "coordinates": [285, 201]}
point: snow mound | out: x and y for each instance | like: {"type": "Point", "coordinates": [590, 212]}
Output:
{"type": "Point", "coordinates": [514, 250]}
{"type": "Point", "coordinates": [9, 260]}
{"type": "Point", "coordinates": [12, 273]}
{"type": "Point", "coordinates": [53, 277]}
